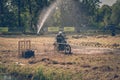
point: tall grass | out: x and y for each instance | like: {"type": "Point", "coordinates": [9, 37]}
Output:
{"type": "Point", "coordinates": [40, 75]}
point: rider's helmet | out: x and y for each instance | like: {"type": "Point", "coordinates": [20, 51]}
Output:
{"type": "Point", "coordinates": [60, 33]}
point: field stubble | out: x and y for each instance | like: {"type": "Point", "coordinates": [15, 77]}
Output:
{"type": "Point", "coordinates": [85, 63]}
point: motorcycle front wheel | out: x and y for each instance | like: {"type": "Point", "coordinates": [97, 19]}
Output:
{"type": "Point", "coordinates": [68, 49]}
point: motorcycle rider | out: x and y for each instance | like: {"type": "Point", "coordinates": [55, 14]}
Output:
{"type": "Point", "coordinates": [60, 39]}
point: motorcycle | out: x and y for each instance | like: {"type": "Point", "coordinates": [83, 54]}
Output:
{"type": "Point", "coordinates": [63, 46]}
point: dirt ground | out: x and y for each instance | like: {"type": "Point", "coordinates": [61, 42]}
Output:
{"type": "Point", "coordinates": [93, 58]}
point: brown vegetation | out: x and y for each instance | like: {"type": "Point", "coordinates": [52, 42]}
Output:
{"type": "Point", "coordinates": [81, 66]}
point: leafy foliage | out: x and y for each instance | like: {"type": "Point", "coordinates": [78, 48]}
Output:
{"type": "Point", "coordinates": [23, 15]}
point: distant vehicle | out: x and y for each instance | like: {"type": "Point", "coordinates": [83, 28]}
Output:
{"type": "Point", "coordinates": [112, 28]}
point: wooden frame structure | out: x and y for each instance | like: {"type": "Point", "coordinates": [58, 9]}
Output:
{"type": "Point", "coordinates": [23, 45]}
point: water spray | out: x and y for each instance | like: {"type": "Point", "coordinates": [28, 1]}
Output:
{"type": "Point", "coordinates": [46, 15]}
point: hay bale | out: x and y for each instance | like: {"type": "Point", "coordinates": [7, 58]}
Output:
{"type": "Point", "coordinates": [28, 54]}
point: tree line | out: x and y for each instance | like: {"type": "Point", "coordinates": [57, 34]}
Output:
{"type": "Point", "coordinates": [23, 15]}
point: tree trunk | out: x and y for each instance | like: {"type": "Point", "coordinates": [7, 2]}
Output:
{"type": "Point", "coordinates": [19, 16]}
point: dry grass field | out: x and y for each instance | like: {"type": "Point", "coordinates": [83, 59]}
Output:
{"type": "Point", "coordinates": [93, 58]}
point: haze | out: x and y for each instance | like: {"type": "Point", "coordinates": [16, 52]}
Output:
{"type": "Point", "coordinates": [108, 2]}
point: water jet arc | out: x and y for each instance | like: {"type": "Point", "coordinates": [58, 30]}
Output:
{"type": "Point", "coordinates": [46, 15]}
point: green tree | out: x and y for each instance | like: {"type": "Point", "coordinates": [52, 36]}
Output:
{"type": "Point", "coordinates": [115, 17]}
{"type": "Point", "coordinates": [90, 9]}
{"type": "Point", "coordinates": [21, 14]}
{"type": "Point", "coordinates": [90, 6]}
{"type": "Point", "coordinates": [7, 16]}
{"type": "Point", "coordinates": [104, 14]}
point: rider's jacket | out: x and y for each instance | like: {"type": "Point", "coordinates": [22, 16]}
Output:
{"type": "Point", "coordinates": [60, 38]}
